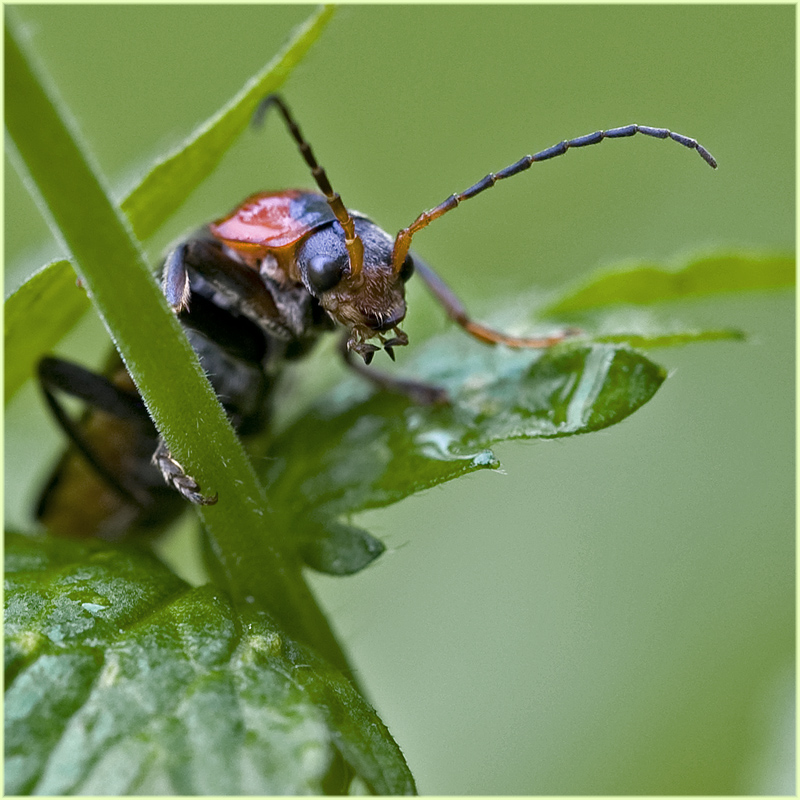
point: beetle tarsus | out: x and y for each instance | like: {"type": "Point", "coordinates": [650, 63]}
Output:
{"type": "Point", "coordinates": [177, 479]}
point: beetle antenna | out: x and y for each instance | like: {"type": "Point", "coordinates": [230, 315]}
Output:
{"type": "Point", "coordinates": [403, 239]}
{"type": "Point", "coordinates": [355, 247]}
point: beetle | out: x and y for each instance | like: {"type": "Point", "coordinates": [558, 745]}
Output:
{"type": "Point", "coordinates": [254, 290]}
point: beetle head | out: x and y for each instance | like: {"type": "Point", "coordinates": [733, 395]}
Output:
{"type": "Point", "coordinates": [370, 304]}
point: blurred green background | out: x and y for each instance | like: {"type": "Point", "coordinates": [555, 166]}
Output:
{"type": "Point", "coordinates": [614, 614]}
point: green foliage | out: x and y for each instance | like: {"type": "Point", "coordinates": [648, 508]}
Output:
{"type": "Point", "coordinates": [123, 679]}
{"type": "Point", "coordinates": [37, 315]}
{"type": "Point", "coordinates": [373, 452]}
{"type": "Point", "coordinates": [644, 284]}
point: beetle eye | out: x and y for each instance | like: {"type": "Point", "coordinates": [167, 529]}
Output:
{"type": "Point", "coordinates": [324, 272]}
{"type": "Point", "coordinates": [407, 270]}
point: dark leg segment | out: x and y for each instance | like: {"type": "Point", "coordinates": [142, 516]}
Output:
{"type": "Point", "coordinates": [99, 392]}
{"type": "Point", "coordinates": [175, 279]}
{"type": "Point", "coordinates": [238, 283]}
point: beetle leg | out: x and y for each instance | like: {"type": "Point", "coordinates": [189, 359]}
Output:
{"type": "Point", "coordinates": [176, 477]}
{"type": "Point", "coordinates": [98, 391]}
{"type": "Point", "coordinates": [456, 311]}
{"type": "Point", "coordinates": [175, 279]}
{"type": "Point", "coordinates": [422, 393]}
{"type": "Point", "coordinates": [240, 286]}
{"type": "Point", "coordinates": [101, 393]}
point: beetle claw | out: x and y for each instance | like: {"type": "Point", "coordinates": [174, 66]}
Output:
{"type": "Point", "coordinates": [366, 351]}
{"type": "Point", "coordinates": [398, 340]}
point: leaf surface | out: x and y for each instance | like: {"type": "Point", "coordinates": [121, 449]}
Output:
{"type": "Point", "coordinates": [653, 283]}
{"type": "Point", "coordinates": [121, 679]}
{"type": "Point", "coordinates": [357, 450]}
{"type": "Point", "coordinates": [36, 317]}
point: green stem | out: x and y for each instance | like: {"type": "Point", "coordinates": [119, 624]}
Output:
{"type": "Point", "coordinates": [113, 270]}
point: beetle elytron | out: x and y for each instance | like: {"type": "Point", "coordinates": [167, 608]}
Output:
{"type": "Point", "coordinates": [253, 290]}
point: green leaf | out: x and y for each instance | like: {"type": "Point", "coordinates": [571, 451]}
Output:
{"type": "Point", "coordinates": [651, 283]}
{"type": "Point", "coordinates": [157, 354]}
{"type": "Point", "coordinates": [648, 328]}
{"type": "Point", "coordinates": [176, 176]}
{"type": "Point", "coordinates": [336, 549]}
{"type": "Point", "coordinates": [121, 679]}
{"type": "Point", "coordinates": [37, 315]}
{"type": "Point", "coordinates": [350, 453]}
{"type": "Point", "coordinates": [672, 339]}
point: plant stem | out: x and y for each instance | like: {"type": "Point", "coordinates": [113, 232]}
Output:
{"type": "Point", "coordinates": [114, 272]}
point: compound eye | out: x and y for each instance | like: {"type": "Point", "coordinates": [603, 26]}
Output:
{"type": "Point", "coordinates": [324, 272]}
{"type": "Point", "coordinates": [407, 270]}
